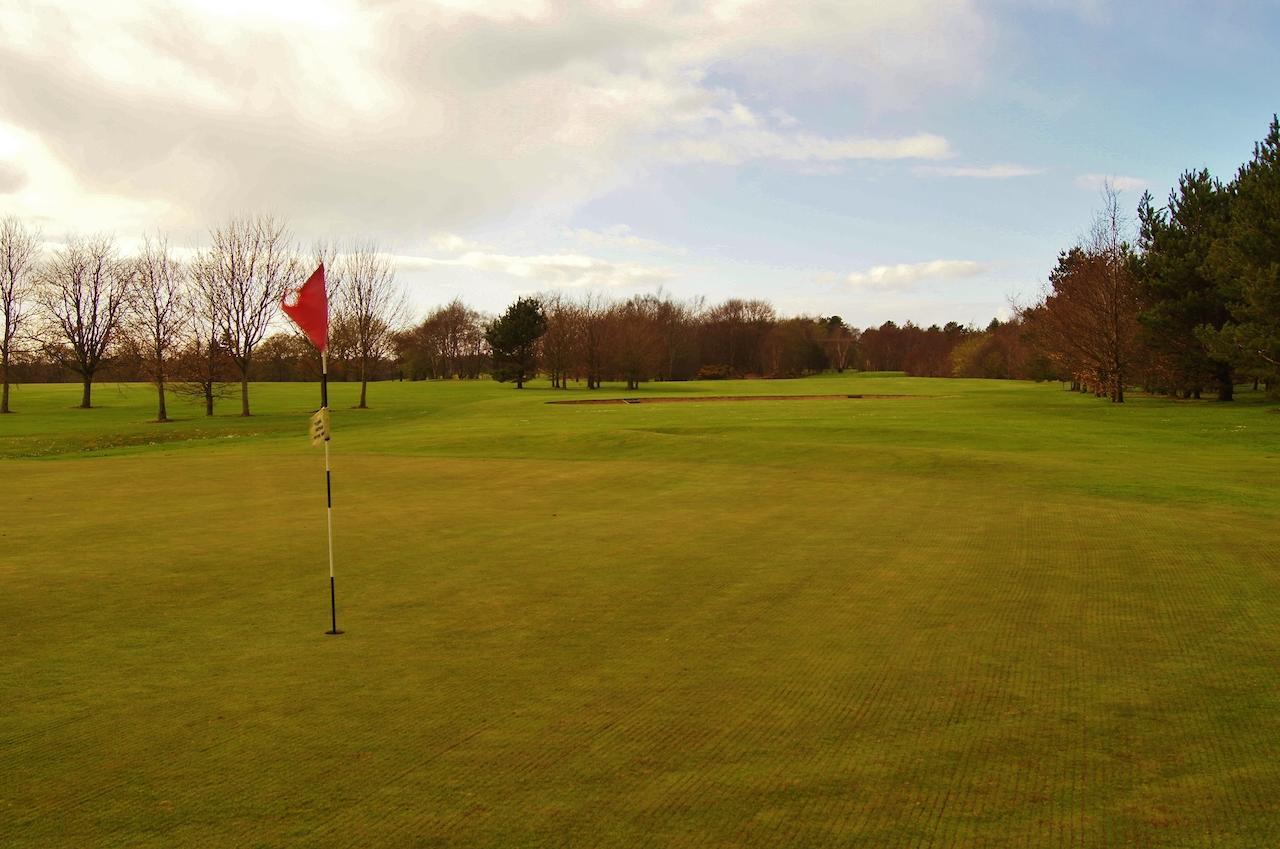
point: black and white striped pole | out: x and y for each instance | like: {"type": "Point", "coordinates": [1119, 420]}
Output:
{"type": "Point", "coordinates": [328, 487]}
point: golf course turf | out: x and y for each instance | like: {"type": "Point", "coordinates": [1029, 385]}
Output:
{"type": "Point", "coordinates": [1001, 614]}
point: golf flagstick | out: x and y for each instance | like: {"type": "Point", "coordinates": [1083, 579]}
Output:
{"type": "Point", "coordinates": [310, 311]}
{"type": "Point", "coordinates": [328, 487]}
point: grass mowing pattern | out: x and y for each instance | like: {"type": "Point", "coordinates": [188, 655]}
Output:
{"type": "Point", "coordinates": [1005, 615]}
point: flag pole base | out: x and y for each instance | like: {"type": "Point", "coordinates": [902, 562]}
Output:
{"type": "Point", "coordinates": [334, 633]}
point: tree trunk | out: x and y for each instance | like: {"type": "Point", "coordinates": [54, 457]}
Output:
{"type": "Point", "coordinates": [520, 380]}
{"type": "Point", "coordinates": [4, 378]}
{"type": "Point", "coordinates": [364, 387]}
{"type": "Point", "coordinates": [1226, 382]}
{"type": "Point", "coordinates": [85, 400]}
{"type": "Point", "coordinates": [208, 398]}
{"type": "Point", "coordinates": [244, 394]}
{"type": "Point", "coordinates": [161, 415]}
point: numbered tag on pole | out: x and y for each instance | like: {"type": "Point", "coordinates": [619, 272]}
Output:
{"type": "Point", "coordinates": [320, 426]}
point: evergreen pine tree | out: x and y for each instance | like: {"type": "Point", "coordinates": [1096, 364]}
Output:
{"type": "Point", "coordinates": [1246, 264]}
{"type": "Point", "coordinates": [1180, 292]}
{"type": "Point", "coordinates": [513, 339]}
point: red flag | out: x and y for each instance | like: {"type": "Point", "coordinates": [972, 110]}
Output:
{"type": "Point", "coordinates": [310, 309]}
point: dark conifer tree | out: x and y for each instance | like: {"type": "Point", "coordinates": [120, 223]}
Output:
{"type": "Point", "coordinates": [1180, 293]}
{"type": "Point", "coordinates": [1246, 263]}
{"type": "Point", "coordinates": [513, 339]}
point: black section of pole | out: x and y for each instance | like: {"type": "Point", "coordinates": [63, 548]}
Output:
{"type": "Point", "coordinates": [333, 608]}
{"type": "Point", "coordinates": [324, 384]}
{"type": "Point", "coordinates": [328, 489]}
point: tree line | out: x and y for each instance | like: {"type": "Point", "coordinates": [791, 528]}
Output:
{"type": "Point", "coordinates": [593, 339]}
{"type": "Point", "coordinates": [1189, 306]}
{"type": "Point", "coordinates": [197, 325]}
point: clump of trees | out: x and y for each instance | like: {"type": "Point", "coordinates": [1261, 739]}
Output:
{"type": "Point", "coordinates": [592, 339]}
{"type": "Point", "coordinates": [1191, 305]}
{"type": "Point", "coordinates": [1244, 263]}
{"type": "Point", "coordinates": [448, 343]}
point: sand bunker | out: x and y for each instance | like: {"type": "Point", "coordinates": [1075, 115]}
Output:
{"type": "Point", "coordinates": [698, 399]}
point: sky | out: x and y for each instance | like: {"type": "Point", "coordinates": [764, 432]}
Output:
{"type": "Point", "coordinates": [913, 160]}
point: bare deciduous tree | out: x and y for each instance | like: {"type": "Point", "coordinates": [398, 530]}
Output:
{"type": "Point", "coordinates": [560, 342]}
{"type": "Point", "coordinates": [84, 290]}
{"type": "Point", "coordinates": [19, 253]}
{"type": "Point", "coordinates": [1088, 321]}
{"type": "Point", "coordinates": [839, 341]}
{"type": "Point", "coordinates": [595, 340]}
{"type": "Point", "coordinates": [249, 268]}
{"type": "Point", "coordinates": [637, 341]}
{"type": "Point", "coordinates": [736, 330]}
{"type": "Point", "coordinates": [202, 365]}
{"type": "Point", "coordinates": [159, 313]}
{"type": "Point", "coordinates": [327, 252]}
{"type": "Point", "coordinates": [677, 325]}
{"type": "Point", "coordinates": [448, 343]}
{"type": "Point", "coordinates": [371, 304]}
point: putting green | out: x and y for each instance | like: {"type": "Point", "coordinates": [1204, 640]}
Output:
{"type": "Point", "coordinates": [1000, 615]}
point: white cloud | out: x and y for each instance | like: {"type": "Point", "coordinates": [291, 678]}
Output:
{"type": "Point", "coordinates": [1098, 182]}
{"type": "Point", "coordinates": [12, 177]}
{"type": "Point", "coordinates": [620, 236]}
{"type": "Point", "coordinates": [568, 270]}
{"type": "Point", "coordinates": [906, 276]}
{"type": "Point", "coordinates": [448, 114]}
{"type": "Point", "coordinates": [39, 186]}
{"type": "Point", "coordinates": [732, 148]}
{"type": "Point", "coordinates": [783, 118]}
{"type": "Point", "coordinates": [452, 243]}
{"type": "Point", "coordinates": [893, 50]}
{"type": "Point", "coordinates": [984, 172]}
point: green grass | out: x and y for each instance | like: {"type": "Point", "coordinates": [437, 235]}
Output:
{"type": "Point", "coordinates": [999, 615]}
